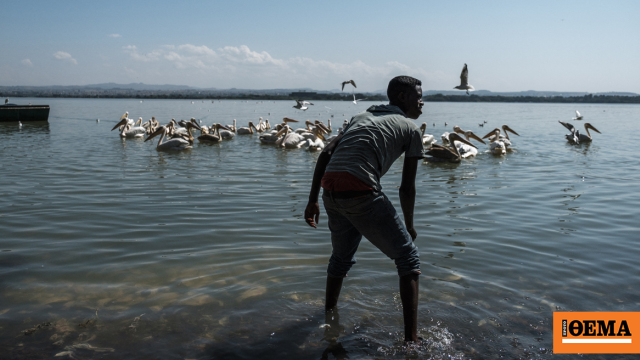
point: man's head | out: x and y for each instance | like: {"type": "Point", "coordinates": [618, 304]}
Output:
{"type": "Point", "coordinates": [405, 92]}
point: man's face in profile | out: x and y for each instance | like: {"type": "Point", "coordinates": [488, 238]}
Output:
{"type": "Point", "coordinates": [413, 103]}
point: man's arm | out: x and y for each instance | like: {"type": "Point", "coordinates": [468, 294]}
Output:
{"type": "Point", "coordinates": [408, 192]}
{"type": "Point", "coordinates": [312, 211]}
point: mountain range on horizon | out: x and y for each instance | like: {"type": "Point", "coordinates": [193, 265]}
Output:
{"type": "Point", "coordinates": [168, 87]}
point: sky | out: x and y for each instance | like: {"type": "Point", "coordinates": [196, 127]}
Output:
{"type": "Point", "coordinates": [581, 46]}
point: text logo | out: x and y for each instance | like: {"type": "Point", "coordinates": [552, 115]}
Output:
{"type": "Point", "coordinates": [596, 332]}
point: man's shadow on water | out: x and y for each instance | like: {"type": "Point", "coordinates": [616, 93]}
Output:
{"type": "Point", "coordinates": [289, 342]}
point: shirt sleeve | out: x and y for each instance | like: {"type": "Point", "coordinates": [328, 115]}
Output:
{"type": "Point", "coordinates": [415, 147]}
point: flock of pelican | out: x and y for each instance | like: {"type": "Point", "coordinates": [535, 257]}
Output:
{"type": "Point", "coordinates": [457, 145]}
{"type": "Point", "coordinates": [177, 135]}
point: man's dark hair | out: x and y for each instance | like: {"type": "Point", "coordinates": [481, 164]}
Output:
{"type": "Point", "coordinates": [400, 84]}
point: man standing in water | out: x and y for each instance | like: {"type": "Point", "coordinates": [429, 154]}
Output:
{"type": "Point", "coordinates": [349, 170]}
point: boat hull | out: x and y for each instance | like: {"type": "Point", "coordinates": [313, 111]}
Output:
{"type": "Point", "coordinates": [24, 113]}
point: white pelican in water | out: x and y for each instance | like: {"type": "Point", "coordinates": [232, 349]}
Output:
{"type": "Point", "coordinates": [314, 141]}
{"type": "Point", "coordinates": [450, 154]}
{"type": "Point", "coordinates": [213, 134]}
{"type": "Point", "coordinates": [126, 116]}
{"type": "Point", "coordinates": [464, 149]}
{"type": "Point", "coordinates": [300, 104]}
{"type": "Point", "coordinates": [504, 138]}
{"type": "Point", "coordinates": [232, 127]}
{"type": "Point", "coordinates": [271, 137]}
{"type": "Point", "coordinates": [247, 130]}
{"type": "Point", "coordinates": [578, 116]}
{"type": "Point", "coordinates": [576, 137]}
{"type": "Point", "coordinates": [289, 140]}
{"type": "Point", "coordinates": [188, 126]}
{"type": "Point", "coordinates": [427, 139]}
{"type": "Point", "coordinates": [497, 146]}
{"type": "Point", "coordinates": [225, 134]}
{"type": "Point", "coordinates": [172, 144]}
{"type": "Point", "coordinates": [129, 131]}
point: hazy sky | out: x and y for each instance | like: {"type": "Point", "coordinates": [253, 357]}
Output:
{"type": "Point", "coordinates": [508, 45]}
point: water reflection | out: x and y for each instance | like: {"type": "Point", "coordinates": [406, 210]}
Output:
{"type": "Point", "coordinates": [31, 127]}
{"type": "Point", "coordinates": [332, 331]}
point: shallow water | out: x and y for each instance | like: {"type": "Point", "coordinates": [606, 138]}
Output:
{"type": "Point", "coordinates": [119, 251]}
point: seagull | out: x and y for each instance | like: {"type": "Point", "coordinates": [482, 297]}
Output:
{"type": "Point", "coordinates": [464, 80]}
{"type": "Point", "coordinates": [300, 105]}
{"type": "Point", "coordinates": [348, 82]}
{"type": "Point", "coordinates": [355, 101]}
{"type": "Point", "coordinates": [19, 124]}
{"type": "Point", "coordinates": [578, 116]}
{"type": "Point", "coordinates": [97, 120]}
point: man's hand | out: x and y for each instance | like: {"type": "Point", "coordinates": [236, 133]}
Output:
{"type": "Point", "coordinates": [312, 214]}
{"type": "Point", "coordinates": [413, 233]}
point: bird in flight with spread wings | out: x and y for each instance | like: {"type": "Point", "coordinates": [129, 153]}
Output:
{"type": "Point", "coordinates": [348, 82]}
{"type": "Point", "coordinates": [464, 80]}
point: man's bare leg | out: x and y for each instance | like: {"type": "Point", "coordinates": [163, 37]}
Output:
{"type": "Point", "coordinates": [334, 285]}
{"type": "Point", "coordinates": [409, 296]}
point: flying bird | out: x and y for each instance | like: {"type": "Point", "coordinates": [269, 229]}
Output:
{"type": "Point", "coordinates": [300, 104]}
{"type": "Point", "coordinates": [464, 80]}
{"type": "Point", "coordinates": [348, 82]}
{"type": "Point", "coordinates": [355, 101]}
{"type": "Point", "coordinates": [578, 116]}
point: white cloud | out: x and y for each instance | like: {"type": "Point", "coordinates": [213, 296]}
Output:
{"type": "Point", "coordinates": [61, 55]}
{"type": "Point", "coordinates": [133, 51]}
{"type": "Point", "coordinates": [114, 35]}
{"type": "Point", "coordinates": [240, 66]}
{"type": "Point", "coordinates": [27, 62]}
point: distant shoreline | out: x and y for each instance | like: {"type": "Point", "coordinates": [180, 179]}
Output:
{"type": "Point", "coordinates": [143, 95]}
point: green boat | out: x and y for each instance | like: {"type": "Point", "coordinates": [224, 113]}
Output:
{"type": "Point", "coordinates": [13, 112]}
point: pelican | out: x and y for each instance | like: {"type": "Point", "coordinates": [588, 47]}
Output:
{"type": "Point", "coordinates": [576, 137]}
{"type": "Point", "coordinates": [464, 80]}
{"type": "Point", "coordinates": [578, 116]}
{"type": "Point", "coordinates": [270, 137]}
{"type": "Point", "coordinates": [247, 130]}
{"type": "Point", "coordinates": [210, 135]}
{"type": "Point", "coordinates": [427, 139]}
{"type": "Point", "coordinates": [497, 146]}
{"type": "Point", "coordinates": [173, 144]}
{"type": "Point", "coordinates": [348, 82]}
{"type": "Point", "coordinates": [225, 134]}
{"type": "Point", "coordinates": [126, 116]}
{"type": "Point", "coordinates": [188, 136]}
{"type": "Point", "coordinates": [290, 140]}
{"type": "Point", "coordinates": [445, 137]}
{"type": "Point", "coordinates": [130, 131]}
{"type": "Point", "coordinates": [504, 138]}
{"type": "Point", "coordinates": [355, 101]}
{"type": "Point", "coordinates": [451, 154]}
{"type": "Point", "coordinates": [314, 141]}
{"type": "Point", "coordinates": [464, 149]}
{"type": "Point", "coordinates": [232, 127]}
{"type": "Point", "coordinates": [300, 104]}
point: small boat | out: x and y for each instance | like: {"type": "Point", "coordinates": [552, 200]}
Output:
{"type": "Point", "coordinates": [13, 112]}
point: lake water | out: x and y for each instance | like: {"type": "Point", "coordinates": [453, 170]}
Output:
{"type": "Point", "coordinates": [111, 249]}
